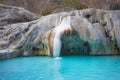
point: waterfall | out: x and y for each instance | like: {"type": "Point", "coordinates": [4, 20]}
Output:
{"type": "Point", "coordinates": [59, 30]}
{"type": "Point", "coordinates": [57, 47]}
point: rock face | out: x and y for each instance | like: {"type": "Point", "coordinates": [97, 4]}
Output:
{"type": "Point", "coordinates": [12, 14]}
{"type": "Point", "coordinates": [83, 32]}
{"type": "Point", "coordinates": [44, 7]}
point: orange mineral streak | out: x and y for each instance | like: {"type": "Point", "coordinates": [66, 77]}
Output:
{"type": "Point", "coordinates": [68, 31]}
{"type": "Point", "coordinates": [51, 36]}
{"type": "Point", "coordinates": [50, 41]}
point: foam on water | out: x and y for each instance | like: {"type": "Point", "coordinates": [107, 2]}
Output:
{"type": "Point", "coordinates": [58, 58]}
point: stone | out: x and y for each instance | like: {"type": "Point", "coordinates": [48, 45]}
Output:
{"type": "Point", "coordinates": [79, 32]}
{"type": "Point", "coordinates": [12, 14]}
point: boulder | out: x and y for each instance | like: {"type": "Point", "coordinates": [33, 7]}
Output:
{"type": "Point", "coordinates": [12, 14]}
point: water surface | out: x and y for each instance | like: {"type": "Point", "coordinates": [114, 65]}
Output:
{"type": "Point", "coordinates": [65, 68]}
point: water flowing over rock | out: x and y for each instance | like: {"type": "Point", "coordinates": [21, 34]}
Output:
{"type": "Point", "coordinates": [80, 32]}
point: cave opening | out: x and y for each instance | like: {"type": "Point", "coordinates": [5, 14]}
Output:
{"type": "Point", "coordinates": [73, 45]}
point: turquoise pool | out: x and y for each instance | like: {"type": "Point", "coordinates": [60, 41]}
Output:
{"type": "Point", "coordinates": [65, 68]}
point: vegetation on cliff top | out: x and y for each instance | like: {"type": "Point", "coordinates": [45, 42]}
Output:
{"type": "Point", "coordinates": [45, 7]}
{"type": "Point", "coordinates": [62, 4]}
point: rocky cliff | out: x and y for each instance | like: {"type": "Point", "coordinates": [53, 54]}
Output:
{"type": "Point", "coordinates": [79, 32]}
{"type": "Point", "coordinates": [45, 7]}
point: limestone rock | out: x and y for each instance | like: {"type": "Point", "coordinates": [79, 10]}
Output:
{"type": "Point", "coordinates": [12, 14]}
{"type": "Point", "coordinates": [83, 32]}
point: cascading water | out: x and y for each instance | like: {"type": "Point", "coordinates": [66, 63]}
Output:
{"type": "Point", "coordinates": [59, 30]}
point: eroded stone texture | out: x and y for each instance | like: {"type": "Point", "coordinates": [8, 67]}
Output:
{"type": "Point", "coordinates": [12, 14]}
{"type": "Point", "coordinates": [93, 31]}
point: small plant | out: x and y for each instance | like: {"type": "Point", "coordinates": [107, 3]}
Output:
{"type": "Point", "coordinates": [45, 12]}
{"type": "Point", "coordinates": [75, 4]}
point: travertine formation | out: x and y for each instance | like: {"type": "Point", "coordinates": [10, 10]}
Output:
{"type": "Point", "coordinates": [83, 32]}
{"type": "Point", "coordinates": [12, 14]}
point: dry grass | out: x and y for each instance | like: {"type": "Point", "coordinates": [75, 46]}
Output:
{"type": "Point", "coordinates": [45, 7]}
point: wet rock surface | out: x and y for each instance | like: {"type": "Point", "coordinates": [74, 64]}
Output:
{"type": "Point", "coordinates": [90, 31]}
